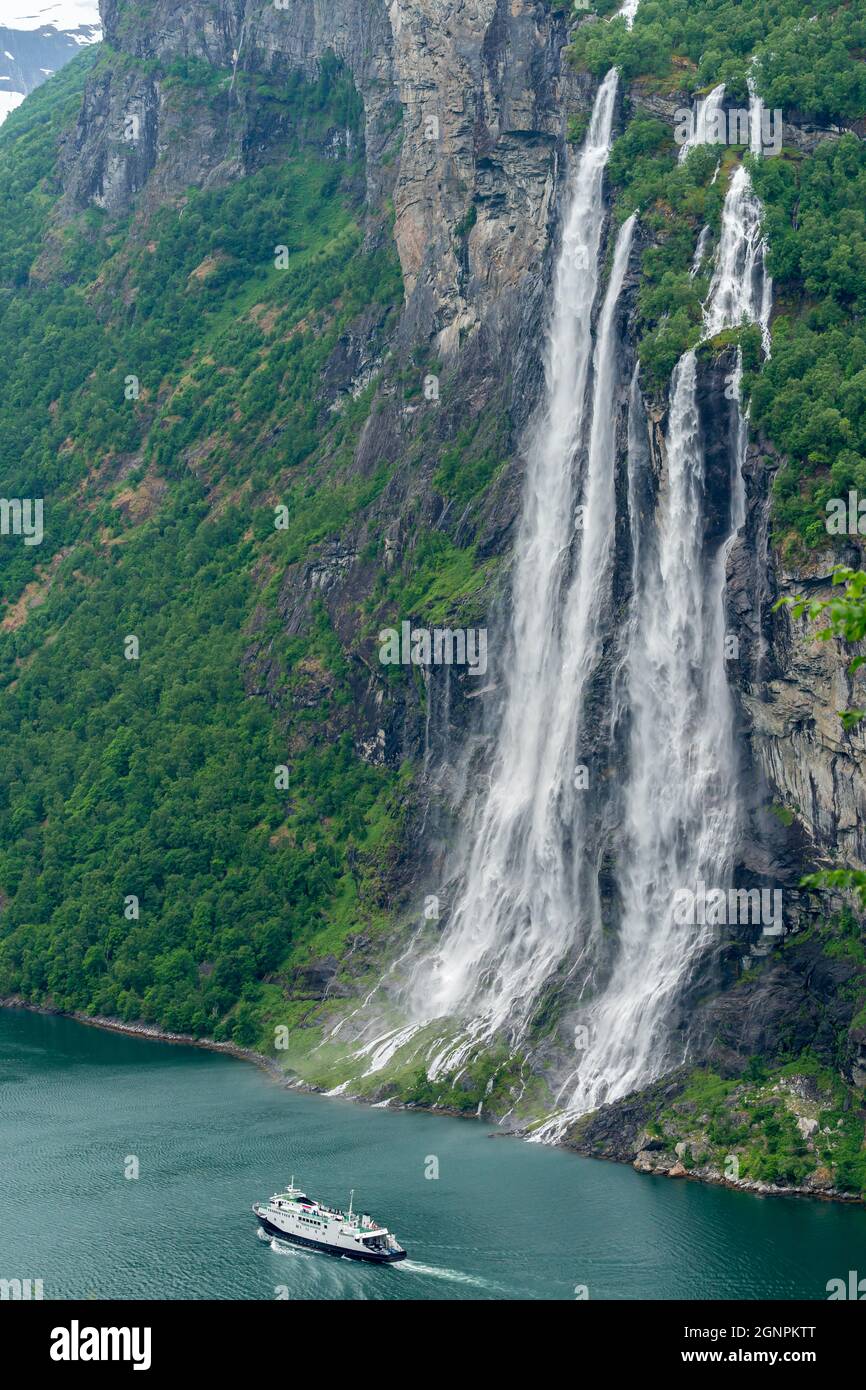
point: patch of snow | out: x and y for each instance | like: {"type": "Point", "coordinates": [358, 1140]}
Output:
{"type": "Point", "coordinates": [63, 14]}
{"type": "Point", "coordinates": [8, 102]}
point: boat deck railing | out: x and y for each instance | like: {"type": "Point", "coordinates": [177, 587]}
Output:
{"type": "Point", "coordinates": [359, 1219]}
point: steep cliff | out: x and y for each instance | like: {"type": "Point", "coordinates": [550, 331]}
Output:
{"type": "Point", "coordinates": [464, 112]}
{"type": "Point", "coordinates": [409, 160]}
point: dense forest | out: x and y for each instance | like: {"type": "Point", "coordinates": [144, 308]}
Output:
{"type": "Point", "coordinates": [156, 778]}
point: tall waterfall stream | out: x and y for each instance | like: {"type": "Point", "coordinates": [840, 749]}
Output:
{"type": "Point", "coordinates": [529, 911]}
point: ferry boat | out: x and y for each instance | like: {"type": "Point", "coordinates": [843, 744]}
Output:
{"type": "Point", "coordinates": [292, 1215]}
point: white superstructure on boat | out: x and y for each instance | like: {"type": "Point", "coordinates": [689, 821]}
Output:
{"type": "Point", "coordinates": [292, 1215]}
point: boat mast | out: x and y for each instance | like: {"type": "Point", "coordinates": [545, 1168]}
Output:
{"type": "Point", "coordinates": [351, 1196]}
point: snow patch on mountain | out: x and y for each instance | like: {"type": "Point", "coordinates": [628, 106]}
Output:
{"type": "Point", "coordinates": [65, 15]}
{"type": "Point", "coordinates": [8, 102]}
{"type": "Point", "coordinates": [37, 39]}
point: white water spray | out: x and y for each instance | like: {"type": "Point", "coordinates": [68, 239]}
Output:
{"type": "Point", "coordinates": [680, 802]}
{"type": "Point", "coordinates": [740, 291]}
{"type": "Point", "coordinates": [700, 252]}
{"type": "Point", "coordinates": [756, 119]}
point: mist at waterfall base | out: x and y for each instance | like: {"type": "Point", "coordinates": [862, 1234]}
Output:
{"type": "Point", "coordinates": [503, 1220]}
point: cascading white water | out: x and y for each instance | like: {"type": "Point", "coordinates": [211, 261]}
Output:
{"type": "Point", "coordinates": [528, 910]}
{"type": "Point", "coordinates": [628, 10]}
{"type": "Point", "coordinates": [756, 117]}
{"type": "Point", "coordinates": [700, 252]}
{"type": "Point", "coordinates": [704, 131]}
{"type": "Point", "coordinates": [519, 910]}
{"type": "Point", "coordinates": [740, 291]}
{"type": "Point", "coordinates": [681, 802]}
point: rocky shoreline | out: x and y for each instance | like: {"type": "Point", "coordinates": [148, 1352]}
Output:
{"type": "Point", "coordinates": [151, 1031]}
{"type": "Point", "coordinates": [659, 1133]}
{"type": "Point", "coordinates": [641, 1151]}
{"type": "Point", "coordinates": [290, 1081]}
{"type": "Point", "coordinates": [674, 1168]}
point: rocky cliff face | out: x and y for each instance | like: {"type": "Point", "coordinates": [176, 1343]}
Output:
{"type": "Point", "coordinates": [795, 688]}
{"type": "Point", "coordinates": [466, 105]}
{"type": "Point", "coordinates": [465, 110]}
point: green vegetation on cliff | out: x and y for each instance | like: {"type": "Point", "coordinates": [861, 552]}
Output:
{"type": "Point", "coordinates": [793, 1125]}
{"type": "Point", "coordinates": [808, 54]}
{"type": "Point", "coordinates": [807, 62]}
{"type": "Point", "coordinates": [153, 779]}
{"type": "Point", "coordinates": [810, 398]}
{"type": "Point", "coordinates": [173, 378]}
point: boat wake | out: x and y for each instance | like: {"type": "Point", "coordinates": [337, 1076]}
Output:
{"type": "Point", "coordinates": [285, 1247]}
{"type": "Point", "coordinates": [454, 1276]}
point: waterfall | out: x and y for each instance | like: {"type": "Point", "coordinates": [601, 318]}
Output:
{"type": "Point", "coordinates": [704, 132]}
{"type": "Point", "coordinates": [700, 252]}
{"type": "Point", "coordinates": [681, 818]}
{"type": "Point", "coordinates": [516, 915]}
{"type": "Point", "coordinates": [740, 291]}
{"type": "Point", "coordinates": [564, 891]}
{"type": "Point", "coordinates": [756, 115]}
{"type": "Point", "coordinates": [680, 802]}
{"type": "Point", "coordinates": [628, 10]}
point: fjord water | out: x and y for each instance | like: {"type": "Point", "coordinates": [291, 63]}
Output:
{"type": "Point", "coordinates": [504, 1220]}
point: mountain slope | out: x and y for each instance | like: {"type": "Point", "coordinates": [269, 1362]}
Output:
{"type": "Point", "coordinates": [128, 516]}
{"type": "Point", "coordinates": [239, 252]}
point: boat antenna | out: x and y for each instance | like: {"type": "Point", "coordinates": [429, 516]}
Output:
{"type": "Point", "coordinates": [351, 1195]}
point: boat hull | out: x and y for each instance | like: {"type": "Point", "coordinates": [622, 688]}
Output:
{"type": "Point", "coordinates": [371, 1257]}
